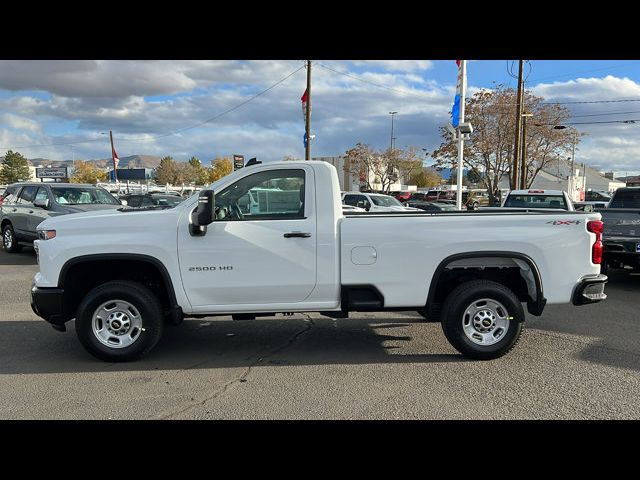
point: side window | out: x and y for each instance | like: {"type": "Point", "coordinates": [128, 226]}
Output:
{"type": "Point", "coordinates": [27, 194]}
{"type": "Point", "coordinates": [270, 195]}
{"type": "Point", "coordinates": [351, 200]}
{"type": "Point", "coordinates": [146, 202]}
{"type": "Point", "coordinates": [133, 202]}
{"type": "Point", "coordinates": [42, 194]}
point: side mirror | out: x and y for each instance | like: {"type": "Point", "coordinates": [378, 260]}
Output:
{"type": "Point", "coordinates": [588, 208]}
{"type": "Point", "coordinates": [367, 205]}
{"type": "Point", "coordinates": [41, 202]}
{"type": "Point", "coordinates": [123, 202]}
{"type": "Point", "coordinates": [204, 214]}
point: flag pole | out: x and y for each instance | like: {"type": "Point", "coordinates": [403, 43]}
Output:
{"type": "Point", "coordinates": [113, 158]}
{"type": "Point", "coordinates": [463, 88]}
{"type": "Point", "coordinates": [307, 119]}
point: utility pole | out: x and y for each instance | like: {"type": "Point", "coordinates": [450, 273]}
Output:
{"type": "Point", "coordinates": [307, 120]}
{"type": "Point", "coordinates": [115, 171]}
{"type": "Point", "coordinates": [516, 143]}
{"type": "Point", "coordinates": [523, 160]}
{"type": "Point", "coordinates": [391, 143]}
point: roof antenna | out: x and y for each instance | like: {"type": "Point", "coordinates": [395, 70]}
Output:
{"type": "Point", "coordinates": [252, 161]}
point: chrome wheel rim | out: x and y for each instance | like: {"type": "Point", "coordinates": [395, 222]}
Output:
{"type": "Point", "coordinates": [117, 324]}
{"type": "Point", "coordinates": [8, 239]}
{"type": "Point", "coordinates": [485, 321]}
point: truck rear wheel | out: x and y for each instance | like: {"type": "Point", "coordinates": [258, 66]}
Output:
{"type": "Point", "coordinates": [482, 319]}
{"type": "Point", "coordinates": [119, 321]}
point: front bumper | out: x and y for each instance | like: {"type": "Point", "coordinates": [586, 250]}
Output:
{"type": "Point", "coordinates": [590, 289]}
{"type": "Point", "coordinates": [48, 303]}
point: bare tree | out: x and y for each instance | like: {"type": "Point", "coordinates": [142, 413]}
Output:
{"type": "Point", "coordinates": [490, 148]}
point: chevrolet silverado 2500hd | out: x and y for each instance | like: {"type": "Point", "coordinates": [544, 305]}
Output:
{"type": "Point", "coordinates": [122, 274]}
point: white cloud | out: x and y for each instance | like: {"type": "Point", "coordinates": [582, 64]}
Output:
{"type": "Point", "coordinates": [396, 65]}
{"type": "Point", "coordinates": [19, 123]}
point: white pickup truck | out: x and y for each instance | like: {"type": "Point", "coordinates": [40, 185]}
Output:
{"type": "Point", "coordinates": [122, 274]}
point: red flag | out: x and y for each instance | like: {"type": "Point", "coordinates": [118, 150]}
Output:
{"type": "Point", "coordinates": [116, 160]}
{"type": "Point", "coordinates": [304, 104]}
{"type": "Point", "coordinates": [458, 62]}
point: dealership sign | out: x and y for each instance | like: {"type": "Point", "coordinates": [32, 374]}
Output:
{"type": "Point", "coordinates": [51, 172]}
{"type": "Point", "coordinates": [238, 161]}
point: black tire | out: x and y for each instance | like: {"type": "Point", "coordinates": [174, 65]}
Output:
{"type": "Point", "coordinates": [142, 299]}
{"type": "Point", "coordinates": [9, 238]}
{"type": "Point", "coordinates": [433, 317]}
{"type": "Point", "coordinates": [461, 298]}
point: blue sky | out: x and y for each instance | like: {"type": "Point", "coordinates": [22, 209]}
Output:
{"type": "Point", "coordinates": [143, 102]}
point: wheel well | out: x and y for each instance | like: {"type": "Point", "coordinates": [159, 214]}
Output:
{"type": "Point", "coordinates": [4, 222]}
{"type": "Point", "coordinates": [81, 277]}
{"type": "Point", "coordinates": [519, 274]}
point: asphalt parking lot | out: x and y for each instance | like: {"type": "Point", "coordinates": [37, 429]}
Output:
{"type": "Point", "coordinates": [571, 363]}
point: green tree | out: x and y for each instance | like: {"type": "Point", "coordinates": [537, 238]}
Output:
{"type": "Point", "coordinates": [474, 176]}
{"type": "Point", "coordinates": [425, 178]}
{"type": "Point", "coordinates": [167, 172]}
{"type": "Point", "coordinates": [220, 167]}
{"type": "Point", "coordinates": [199, 173]}
{"type": "Point", "coordinates": [14, 168]}
{"type": "Point", "coordinates": [86, 172]}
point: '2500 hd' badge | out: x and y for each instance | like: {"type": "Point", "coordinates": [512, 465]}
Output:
{"type": "Point", "coordinates": [211, 268]}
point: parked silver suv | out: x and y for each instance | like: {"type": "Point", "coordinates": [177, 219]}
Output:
{"type": "Point", "coordinates": [31, 203]}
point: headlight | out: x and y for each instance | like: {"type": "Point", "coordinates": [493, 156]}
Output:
{"type": "Point", "coordinates": [46, 234]}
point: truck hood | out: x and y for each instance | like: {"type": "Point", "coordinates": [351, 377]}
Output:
{"type": "Point", "coordinates": [107, 217]}
{"type": "Point", "coordinates": [89, 207]}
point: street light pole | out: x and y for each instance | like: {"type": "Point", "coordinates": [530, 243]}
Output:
{"type": "Point", "coordinates": [392, 115]}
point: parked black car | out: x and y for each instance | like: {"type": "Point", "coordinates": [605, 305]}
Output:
{"type": "Point", "coordinates": [142, 200]}
{"type": "Point", "coordinates": [431, 206]}
{"type": "Point", "coordinates": [31, 203]}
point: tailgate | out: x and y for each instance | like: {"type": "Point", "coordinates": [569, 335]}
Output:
{"type": "Point", "coordinates": [621, 230]}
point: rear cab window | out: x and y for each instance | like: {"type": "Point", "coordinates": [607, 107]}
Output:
{"type": "Point", "coordinates": [625, 198]}
{"type": "Point", "coordinates": [536, 201]}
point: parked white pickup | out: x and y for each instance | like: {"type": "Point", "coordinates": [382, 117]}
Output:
{"type": "Point", "coordinates": [123, 273]}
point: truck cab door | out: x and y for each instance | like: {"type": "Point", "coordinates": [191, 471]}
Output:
{"type": "Point", "coordinates": [23, 210]}
{"type": "Point", "coordinates": [263, 255]}
{"type": "Point", "coordinates": [40, 214]}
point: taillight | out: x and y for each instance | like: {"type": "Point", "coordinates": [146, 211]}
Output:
{"type": "Point", "coordinates": [596, 226]}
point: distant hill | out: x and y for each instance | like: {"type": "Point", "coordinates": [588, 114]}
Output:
{"type": "Point", "coordinates": [132, 161]}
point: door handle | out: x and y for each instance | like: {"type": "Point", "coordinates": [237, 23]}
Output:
{"type": "Point", "coordinates": [14, 209]}
{"type": "Point", "coordinates": [297, 234]}
{"type": "Point", "coordinates": [30, 211]}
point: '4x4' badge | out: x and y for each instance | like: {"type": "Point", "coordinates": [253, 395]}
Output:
{"type": "Point", "coordinates": [563, 222]}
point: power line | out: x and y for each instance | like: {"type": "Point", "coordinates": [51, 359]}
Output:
{"type": "Point", "coordinates": [593, 101]}
{"type": "Point", "coordinates": [591, 123]}
{"type": "Point", "coordinates": [229, 110]}
{"type": "Point", "coordinates": [605, 113]}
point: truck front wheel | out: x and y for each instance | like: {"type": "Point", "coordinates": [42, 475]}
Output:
{"type": "Point", "coordinates": [482, 319]}
{"type": "Point", "coordinates": [119, 321]}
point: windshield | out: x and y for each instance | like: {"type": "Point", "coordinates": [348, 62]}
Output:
{"type": "Point", "coordinates": [170, 200]}
{"type": "Point", "coordinates": [82, 196]}
{"type": "Point", "coordinates": [384, 201]}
